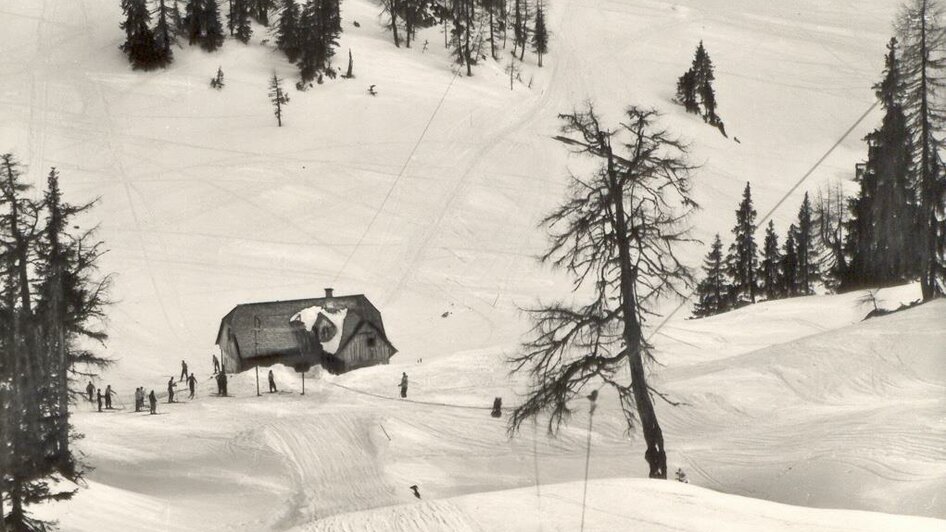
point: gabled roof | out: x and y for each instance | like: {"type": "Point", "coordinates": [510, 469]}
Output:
{"type": "Point", "coordinates": [276, 335]}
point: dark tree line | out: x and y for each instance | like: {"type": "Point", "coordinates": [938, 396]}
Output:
{"type": "Point", "coordinates": [616, 233]}
{"type": "Point", "coordinates": [199, 23]}
{"type": "Point", "coordinates": [739, 277]}
{"type": "Point", "coordinates": [51, 301]}
{"type": "Point", "coordinates": [695, 89]}
{"type": "Point", "coordinates": [470, 26]}
{"type": "Point", "coordinates": [308, 35]}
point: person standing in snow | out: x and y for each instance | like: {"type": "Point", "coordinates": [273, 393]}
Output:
{"type": "Point", "coordinates": [272, 382]}
{"type": "Point", "coordinates": [403, 385]}
{"type": "Point", "coordinates": [216, 364]}
{"type": "Point", "coordinates": [139, 399]}
{"type": "Point", "coordinates": [99, 396]}
{"type": "Point", "coordinates": [222, 384]}
{"type": "Point", "coordinates": [171, 390]}
{"type": "Point", "coordinates": [108, 397]}
{"type": "Point", "coordinates": [90, 389]}
{"type": "Point", "coordinates": [192, 384]}
{"type": "Point", "coordinates": [154, 402]}
{"type": "Point", "coordinates": [183, 371]}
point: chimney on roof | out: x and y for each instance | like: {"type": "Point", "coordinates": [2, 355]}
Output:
{"type": "Point", "coordinates": [328, 293]}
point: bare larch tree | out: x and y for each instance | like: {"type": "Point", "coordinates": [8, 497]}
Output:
{"type": "Point", "coordinates": [616, 234]}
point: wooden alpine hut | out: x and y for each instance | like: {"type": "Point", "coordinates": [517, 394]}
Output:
{"type": "Point", "coordinates": [340, 333]}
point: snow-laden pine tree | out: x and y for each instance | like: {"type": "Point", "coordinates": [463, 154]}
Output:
{"type": "Point", "coordinates": [139, 43]}
{"type": "Point", "coordinates": [806, 247]}
{"type": "Point", "coordinates": [239, 20]}
{"type": "Point", "coordinates": [259, 10]}
{"type": "Point", "coordinates": [695, 89]}
{"type": "Point", "coordinates": [713, 290]}
{"type": "Point", "coordinates": [540, 35]}
{"type": "Point", "coordinates": [743, 257]}
{"type": "Point", "coordinates": [881, 239]}
{"type": "Point", "coordinates": [922, 31]}
{"type": "Point", "coordinates": [770, 278]}
{"type": "Point", "coordinates": [287, 30]}
{"type": "Point", "coordinates": [616, 233]}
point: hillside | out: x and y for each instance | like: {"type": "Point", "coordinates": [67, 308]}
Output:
{"type": "Point", "coordinates": [426, 199]}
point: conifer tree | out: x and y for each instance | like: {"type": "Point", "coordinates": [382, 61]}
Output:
{"type": "Point", "coordinates": [393, 9]}
{"type": "Point", "coordinates": [713, 290]}
{"type": "Point", "coordinates": [259, 10]}
{"type": "Point", "coordinates": [540, 36]}
{"type": "Point", "coordinates": [695, 89]}
{"type": "Point", "coordinates": [202, 24]}
{"type": "Point", "coordinates": [881, 230]}
{"type": "Point", "coordinates": [807, 272]}
{"type": "Point", "coordinates": [789, 266]}
{"type": "Point", "coordinates": [239, 20]}
{"type": "Point", "coordinates": [770, 277]}
{"type": "Point", "coordinates": [164, 33]}
{"type": "Point", "coordinates": [278, 97]}
{"type": "Point", "coordinates": [416, 14]}
{"type": "Point", "coordinates": [686, 92]}
{"type": "Point", "coordinates": [743, 253]}
{"type": "Point", "coordinates": [320, 27]}
{"type": "Point", "coordinates": [288, 31]}
{"type": "Point", "coordinates": [922, 31]}
{"type": "Point", "coordinates": [139, 43]}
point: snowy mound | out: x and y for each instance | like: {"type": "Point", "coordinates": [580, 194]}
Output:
{"type": "Point", "coordinates": [335, 317]}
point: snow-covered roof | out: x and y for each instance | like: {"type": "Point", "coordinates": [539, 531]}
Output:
{"type": "Point", "coordinates": [336, 316]}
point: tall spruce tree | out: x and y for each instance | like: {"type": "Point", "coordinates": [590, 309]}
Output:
{"type": "Point", "coordinates": [288, 31]}
{"type": "Point", "coordinates": [881, 240]}
{"type": "Point", "coordinates": [164, 32]}
{"type": "Point", "coordinates": [806, 249]}
{"type": "Point", "coordinates": [713, 290]}
{"type": "Point", "coordinates": [540, 36]}
{"type": "Point", "coordinates": [239, 20]}
{"type": "Point", "coordinates": [695, 89]}
{"type": "Point", "coordinates": [139, 43]}
{"type": "Point", "coordinates": [319, 28]}
{"type": "Point", "coordinates": [770, 277]}
{"type": "Point", "coordinates": [47, 298]}
{"type": "Point", "coordinates": [278, 97]}
{"type": "Point", "coordinates": [789, 267]}
{"type": "Point", "coordinates": [743, 258]}
{"type": "Point", "coordinates": [922, 31]}
{"type": "Point", "coordinates": [202, 24]}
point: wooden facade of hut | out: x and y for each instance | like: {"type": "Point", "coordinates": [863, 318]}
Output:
{"type": "Point", "coordinates": [340, 333]}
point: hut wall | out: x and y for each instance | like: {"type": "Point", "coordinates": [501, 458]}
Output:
{"type": "Point", "coordinates": [359, 353]}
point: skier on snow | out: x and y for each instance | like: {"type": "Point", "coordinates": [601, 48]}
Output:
{"type": "Point", "coordinates": [108, 397]}
{"type": "Point", "coordinates": [171, 390]}
{"type": "Point", "coordinates": [192, 384]}
{"type": "Point", "coordinates": [154, 402]}
{"type": "Point", "coordinates": [272, 382]}
{"type": "Point", "coordinates": [403, 385]}
{"type": "Point", "coordinates": [183, 371]}
{"type": "Point", "coordinates": [90, 389]}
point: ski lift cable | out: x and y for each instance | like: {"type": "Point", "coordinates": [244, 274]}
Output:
{"type": "Point", "coordinates": [778, 204]}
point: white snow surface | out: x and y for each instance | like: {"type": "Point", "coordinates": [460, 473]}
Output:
{"type": "Point", "coordinates": [426, 199]}
{"type": "Point", "coordinates": [309, 315]}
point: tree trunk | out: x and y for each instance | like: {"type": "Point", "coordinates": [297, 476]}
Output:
{"type": "Point", "coordinates": [392, 7]}
{"type": "Point", "coordinates": [633, 339]}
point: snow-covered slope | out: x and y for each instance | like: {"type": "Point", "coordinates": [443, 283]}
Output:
{"type": "Point", "coordinates": [426, 198]}
{"type": "Point", "coordinates": [845, 418]}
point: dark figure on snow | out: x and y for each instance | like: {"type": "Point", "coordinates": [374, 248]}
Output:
{"type": "Point", "coordinates": [403, 385]}
{"type": "Point", "coordinates": [108, 397]}
{"type": "Point", "coordinates": [139, 399]}
{"type": "Point", "coordinates": [171, 390]}
{"type": "Point", "coordinates": [272, 382]}
{"type": "Point", "coordinates": [497, 407]}
{"type": "Point", "coordinates": [183, 371]}
{"type": "Point", "coordinates": [216, 364]}
{"type": "Point", "coordinates": [153, 401]}
{"type": "Point", "coordinates": [371, 91]}
{"type": "Point", "coordinates": [222, 384]}
{"type": "Point", "coordinates": [415, 490]}
{"type": "Point", "coordinates": [99, 397]}
{"type": "Point", "coordinates": [90, 389]}
{"type": "Point", "coordinates": [192, 384]}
